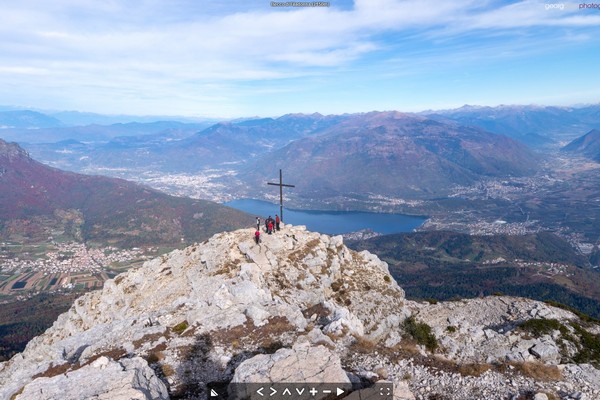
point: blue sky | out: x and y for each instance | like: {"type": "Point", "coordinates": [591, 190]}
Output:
{"type": "Point", "coordinates": [234, 58]}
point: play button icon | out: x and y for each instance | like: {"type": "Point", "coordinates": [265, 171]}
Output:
{"type": "Point", "coordinates": [339, 391]}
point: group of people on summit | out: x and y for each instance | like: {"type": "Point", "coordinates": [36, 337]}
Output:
{"type": "Point", "coordinates": [270, 226]}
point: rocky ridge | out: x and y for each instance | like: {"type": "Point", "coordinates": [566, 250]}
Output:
{"type": "Point", "coordinates": [300, 306]}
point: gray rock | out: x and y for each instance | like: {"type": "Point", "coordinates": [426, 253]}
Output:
{"type": "Point", "coordinates": [104, 379]}
{"type": "Point", "coordinates": [316, 337]}
{"type": "Point", "coordinates": [302, 363]}
{"type": "Point", "coordinates": [546, 351]}
{"type": "Point", "coordinates": [402, 391]}
{"type": "Point", "coordinates": [259, 316]}
{"type": "Point", "coordinates": [342, 320]}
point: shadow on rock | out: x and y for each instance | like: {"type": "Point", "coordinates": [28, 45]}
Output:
{"type": "Point", "coordinates": [202, 366]}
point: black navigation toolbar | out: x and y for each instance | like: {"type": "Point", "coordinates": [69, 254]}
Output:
{"type": "Point", "coordinates": [300, 391]}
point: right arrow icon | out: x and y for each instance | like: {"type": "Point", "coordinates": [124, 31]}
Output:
{"type": "Point", "coordinates": [339, 391]}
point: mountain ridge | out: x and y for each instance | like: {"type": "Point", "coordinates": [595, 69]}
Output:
{"type": "Point", "coordinates": [111, 208]}
{"type": "Point", "coordinates": [534, 125]}
{"type": "Point", "coordinates": [421, 157]}
{"type": "Point", "coordinates": [228, 310]}
{"type": "Point", "coordinates": [587, 145]}
{"type": "Point", "coordinates": [27, 119]}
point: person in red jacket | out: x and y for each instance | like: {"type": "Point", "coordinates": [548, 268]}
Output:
{"type": "Point", "coordinates": [270, 227]}
{"type": "Point", "coordinates": [257, 236]}
{"type": "Point", "coordinates": [277, 221]}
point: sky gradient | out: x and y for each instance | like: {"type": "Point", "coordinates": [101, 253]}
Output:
{"type": "Point", "coordinates": [239, 58]}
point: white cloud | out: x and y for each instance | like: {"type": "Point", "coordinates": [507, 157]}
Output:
{"type": "Point", "coordinates": [153, 47]}
{"type": "Point", "coordinates": [529, 13]}
{"type": "Point", "coordinates": [23, 70]}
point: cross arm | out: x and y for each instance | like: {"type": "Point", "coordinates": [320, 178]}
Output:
{"type": "Point", "coordinates": [280, 184]}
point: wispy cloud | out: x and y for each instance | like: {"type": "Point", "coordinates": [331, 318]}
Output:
{"type": "Point", "coordinates": [154, 48]}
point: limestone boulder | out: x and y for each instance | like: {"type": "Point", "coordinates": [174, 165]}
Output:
{"type": "Point", "coordinates": [104, 379]}
{"type": "Point", "coordinates": [302, 363]}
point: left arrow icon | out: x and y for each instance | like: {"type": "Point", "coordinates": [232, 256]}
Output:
{"type": "Point", "coordinates": [260, 391]}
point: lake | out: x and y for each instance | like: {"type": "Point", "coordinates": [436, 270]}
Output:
{"type": "Point", "coordinates": [332, 222]}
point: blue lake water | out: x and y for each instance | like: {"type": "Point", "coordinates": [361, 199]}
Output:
{"type": "Point", "coordinates": [332, 222]}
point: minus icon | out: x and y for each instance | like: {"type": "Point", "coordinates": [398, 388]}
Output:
{"type": "Point", "coordinates": [327, 391]}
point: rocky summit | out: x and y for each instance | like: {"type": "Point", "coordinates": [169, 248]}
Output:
{"type": "Point", "coordinates": [298, 307]}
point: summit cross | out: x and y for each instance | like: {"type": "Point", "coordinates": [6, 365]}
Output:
{"type": "Point", "coordinates": [281, 185]}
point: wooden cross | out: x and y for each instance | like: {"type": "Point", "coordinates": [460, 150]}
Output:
{"type": "Point", "coordinates": [281, 185]}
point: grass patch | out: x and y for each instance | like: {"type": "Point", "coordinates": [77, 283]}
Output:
{"type": "Point", "coordinates": [167, 370]}
{"type": "Point", "coordinates": [475, 369]}
{"type": "Point", "coordinates": [539, 371]}
{"type": "Point", "coordinates": [180, 327]}
{"type": "Point", "coordinates": [153, 357]}
{"type": "Point", "coordinates": [266, 338]}
{"type": "Point", "coordinates": [589, 351]}
{"type": "Point", "coordinates": [538, 327]}
{"type": "Point", "coordinates": [363, 345]}
{"type": "Point", "coordinates": [53, 370]}
{"type": "Point", "coordinates": [271, 346]}
{"type": "Point", "coordinates": [229, 269]}
{"type": "Point", "coordinates": [115, 354]}
{"type": "Point", "coordinates": [149, 338]}
{"type": "Point", "coordinates": [421, 332]}
{"type": "Point", "coordinates": [301, 254]}
{"type": "Point", "coordinates": [319, 311]}
{"type": "Point", "coordinates": [119, 279]}
{"type": "Point", "coordinates": [438, 396]}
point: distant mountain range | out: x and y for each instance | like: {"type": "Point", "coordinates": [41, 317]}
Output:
{"type": "Point", "coordinates": [393, 154]}
{"type": "Point", "coordinates": [588, 145]}
{"type": "Point", "coordinates": [240, 142]}
{"type": "Point", "coordinates": [105, 209]}
{"type": "Point", "coordinates": [100, 134]}
{"type": "Point", "coordinates": [76, 118]}
{"type": "Point", "coordinates": [18, 117]}
{"type": "Point", "coordinates": [533, 125]}
{"type": "Point", "coordinates": [412, 155]}
{"type": "Point", "coordinates": [177, 147]}
{"type": "Point", "coordinates": [27, 119]}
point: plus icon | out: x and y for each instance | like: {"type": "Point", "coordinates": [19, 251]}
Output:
{"type": "Point", "coordinates": [313, 391]}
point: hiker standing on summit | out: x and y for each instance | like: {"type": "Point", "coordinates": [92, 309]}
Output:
{"type": "Point", "coordinates": [269, 225]}
{"type": "Point", "coordinates": [257, 236]}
